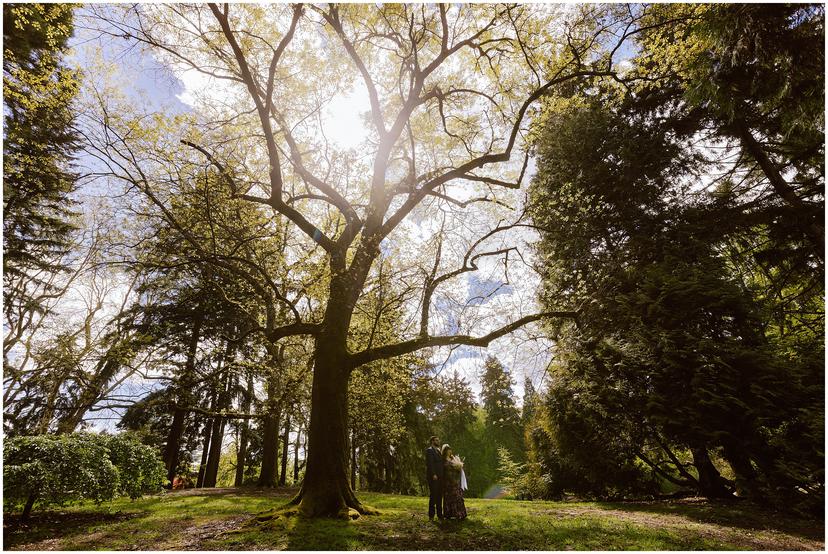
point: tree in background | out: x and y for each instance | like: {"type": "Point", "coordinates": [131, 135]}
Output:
{"type": "Point", "coordinates": [503, 427]}
{"type": "Point", "coordinates": [677, 364]}
{"type": "Point", "coordinates": [38, 146]}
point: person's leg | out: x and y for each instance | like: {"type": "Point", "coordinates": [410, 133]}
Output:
{"type": "Point", "coordinates": [440, 499]}
{"type": "Point", "coordinates": [433, 500]}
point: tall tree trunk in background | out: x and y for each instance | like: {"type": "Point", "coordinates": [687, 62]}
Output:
{"type": "Point", "coordinates": [172, 450]}
{"type": "Point", "coordinates": [745, 474]}
{"type": "Point", "coordinates": [205, 450]}
{"type": "Point", "coordinates": [173, 446]}
{"type": "Point", "coordinates": [285, 444]}
{"type": "Point", "coordinates": [296, 456]}
{"type": "Point", "coordinates": [353, 463]}
{"type": "Point", "coordinates": [389, 470]}
{"type": "Point", "coordinates": [711, 483]}
{"type": "Point", "coordinates": [216, 443]}
{"type": "Point", "coordinates": [244, 432]}
{"type": "Point", "coordinates": [219, 423]}
{"type": "Point", "coordinates": [270, 431]}
{"type": "Point", "coordinates": [27, 509]}
{"type": "Point", "coordinates": [208, 435]}
{"type": "Point", "coordinates": [270, 450]}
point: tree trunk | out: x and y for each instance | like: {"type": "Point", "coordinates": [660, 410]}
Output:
{"type": "Point", "coordinates": [219, 423]}
{"type": "Point", "coordinates": [171, 452]}
{"type": "Point", "coordinates": [174, 443]}
{"type": "Point", "coordinates": [205, 450]}
{"type": "Point", "coordinates": [49, 410]}
{"type": "Point", "coordinates": [243, 434]}
{"type": "Point", "coordinates": [270, 450]}
{"type": "Point", "coordinates": [104, 373]}
{"type": "Point", "coordinates": [216, 441]}
{"type": "Point", "coordinates": [296, 456]}
{"type": "Point", "coordinates": [745, 474]}
{"type": "Point", "coordinates": [285, 439]}
{"type": "Point", "coordinates": [353, 464]}
{"type": "Point", "coordinates": [27, 509]}
{"type": "Point", "coordinates": [711, 483]}
{"type": "Point", "coordinates": [326, 490]}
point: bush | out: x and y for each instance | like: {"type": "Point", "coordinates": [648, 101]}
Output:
{"type": "Point", "coordinates": [139, 468]}
{"type": "Point", "coordinates": [48, 470]}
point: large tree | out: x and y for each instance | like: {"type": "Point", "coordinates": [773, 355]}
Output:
{"type": "Point", "coordinates": [450, 90]}
{"type": "Point", "coordinates": [694, 281]}
{"type": "Point", "coordinates": [38, 145]}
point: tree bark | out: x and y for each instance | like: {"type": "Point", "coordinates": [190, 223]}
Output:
{"type": "Point", "coordinates": [104, 373]}
{"type": "Point", "coordinates": [219, 423]}
{"type": "Point", "coordinates": [326, 490]}
{"type": "Point", "coordinates": [270, 449]}
{"type": "Point", "coordinates": [241, 454]}
{"type": "Point", "coordinates": [742, 468]}
{"type": "Point", "coordinates": [205, 450]}
{"type": "Point", "coordinates": [711, 483]}
{"type": "Point", "coordinates": [27, 509]}
{"type": "Point", "coordinates": [296, 456]}
{"type": "Point", "coordinates": [353, 464]}
{"type": "Point", "coordinates": [216, 441]}
{"type": "Point", "coordinates": [172, 450]}
{"type": "Point", "coordinates": [285, 444]}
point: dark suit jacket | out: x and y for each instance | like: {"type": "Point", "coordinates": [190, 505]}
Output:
{"type": "Point", "coordinates": [434, 464]}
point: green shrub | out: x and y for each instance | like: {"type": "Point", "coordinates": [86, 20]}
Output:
{"type": "Point", "coordinates": [48, 470]}
{"type": "Point", "coordinates": [139, 468]}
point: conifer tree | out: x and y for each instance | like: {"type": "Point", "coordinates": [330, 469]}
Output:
{"type": "Point", "coordinates": [39, 142]}
{"type": "Point", "coordinates": [502, 415]}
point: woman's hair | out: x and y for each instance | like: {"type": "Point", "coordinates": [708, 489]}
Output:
{"type": "Point", "coordinates": [445, 450]}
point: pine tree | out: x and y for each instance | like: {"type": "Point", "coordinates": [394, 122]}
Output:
{"type": "Point", "coordinates": [502, 415]}
{"type": "Point", "coordinates": [38, 146]}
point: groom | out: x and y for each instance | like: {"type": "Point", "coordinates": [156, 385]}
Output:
{"type": "Point", "coordinates": [434, 475]}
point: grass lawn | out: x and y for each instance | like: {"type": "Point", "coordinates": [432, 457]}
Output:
{"type": "Point", "coordinates": [213, 519]}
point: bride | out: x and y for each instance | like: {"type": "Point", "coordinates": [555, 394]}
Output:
{"type": "Point", "coordinates": [454, 483]}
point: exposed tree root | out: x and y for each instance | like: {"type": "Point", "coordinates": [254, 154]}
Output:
{"type": "Point", "coordinates": [301, 506]}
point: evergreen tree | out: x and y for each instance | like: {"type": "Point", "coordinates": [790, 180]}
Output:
{"type": "Point", "coordinates": [39, 142]}
{"type": "Point", "coordinates": [502, 415]}
{"type": "Point", "coordinates": [670, 362]}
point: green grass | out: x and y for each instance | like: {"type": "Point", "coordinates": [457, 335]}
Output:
{"type": "Point", "coordinates": [214, 520]}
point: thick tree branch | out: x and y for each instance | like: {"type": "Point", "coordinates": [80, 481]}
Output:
{"type": "Point", "coordinates": [263, 110]}
{"type": "Point", "coordinates": [406, 347]}
{"type": "Point", "coordinates": [814, 231]}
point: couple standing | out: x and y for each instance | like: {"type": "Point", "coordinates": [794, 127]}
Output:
{"type": "Point", "coordinates": [446, 481]}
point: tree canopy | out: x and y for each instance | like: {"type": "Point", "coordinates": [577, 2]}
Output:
{"type": "Point", "coordinates": [584, 244]}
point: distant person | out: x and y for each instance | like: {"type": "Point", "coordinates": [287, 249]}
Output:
{"type": "Point", "coordinates": [454, 483]}
{"type": "Point", "coordinates": [434, 475]}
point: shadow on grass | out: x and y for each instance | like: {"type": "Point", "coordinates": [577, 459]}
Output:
{"type": "Point", "coordinates": [282, 492]}
{"type": "Point", "coordinates": [399, 531]}
{"type": "Point", "coordinates": [731, 513]}
{"type": "Point", "coordinates": [56, 525]}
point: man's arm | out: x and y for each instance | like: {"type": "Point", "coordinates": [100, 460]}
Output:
{"type": "Point", "coordinates": [430, 463]}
